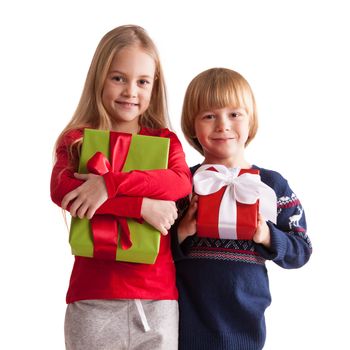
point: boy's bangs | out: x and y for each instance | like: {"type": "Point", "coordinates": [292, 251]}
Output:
{"type": "Point", "coordinates": [220, 94]}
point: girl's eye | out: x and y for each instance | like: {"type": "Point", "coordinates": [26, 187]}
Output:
{"type": "Point", "coordinates": [235, 114]}
{"type": "Point", "coordinates": [118, 79]}
{"type": "Point", "coordinates": [144, 82]}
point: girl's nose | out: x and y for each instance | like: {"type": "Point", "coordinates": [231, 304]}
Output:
{"type": "Point", "coordinates": [130, 90]}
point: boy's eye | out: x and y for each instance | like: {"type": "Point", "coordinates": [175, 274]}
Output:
{"type": "Point", "coordinates": [209, 116]}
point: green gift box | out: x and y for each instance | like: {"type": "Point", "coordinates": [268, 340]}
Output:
{"type": "Point", "coordinates": [144, 153]}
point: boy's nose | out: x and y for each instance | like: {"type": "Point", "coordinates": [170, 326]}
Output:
{"type": "Point", "coordinates": [223, 124]}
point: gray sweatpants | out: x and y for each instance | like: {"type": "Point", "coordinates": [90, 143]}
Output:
{"type": "Point", "coordinates": [122, 324]}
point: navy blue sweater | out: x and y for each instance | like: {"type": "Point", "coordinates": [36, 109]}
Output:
{"type": "Point", "coordinates": [223, 284]}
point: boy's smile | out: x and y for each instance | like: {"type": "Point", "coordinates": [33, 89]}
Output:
{"type": "Point", "coordinates": [222, 134]}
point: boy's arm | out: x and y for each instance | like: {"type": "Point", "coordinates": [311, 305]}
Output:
{"type": "Point", "coordinates": [184, 227]}
{"type": "Point", "coordinates": [290, 247]}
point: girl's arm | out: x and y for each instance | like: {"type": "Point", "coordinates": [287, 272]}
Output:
{"type": "Point", "coordinates": [168, 184]}
{"type": "Point", "coordinates": [64, 183]}
{"type": "Point", "coordinates": [289, 245]}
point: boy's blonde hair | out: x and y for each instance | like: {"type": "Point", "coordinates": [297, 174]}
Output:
{"type": "Point", "coordinates": [212, 89]}
{"type": "Point", "coordinates": [90, 111]}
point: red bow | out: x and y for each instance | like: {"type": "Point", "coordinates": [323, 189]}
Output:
{"type": "Point", "coordinates": [105, 227]}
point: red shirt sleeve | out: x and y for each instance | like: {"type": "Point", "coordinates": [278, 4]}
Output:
{"type": "Point", "coordinates": [129, 207]}
{"type": "Point", "coordinates": [126, 190]}
{"type": "Point", "coordinates": [63, 182]}
{"type": "Point", "coordinates": [168, 184]}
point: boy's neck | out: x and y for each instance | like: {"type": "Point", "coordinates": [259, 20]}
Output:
{"type": "Point", "coordinates": [229, 163]}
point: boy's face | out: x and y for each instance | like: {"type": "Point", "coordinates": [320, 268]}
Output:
{"type": "Point", "coordinates": [128, 87]}
{"type": "Point", "coordinates": [222, 134]}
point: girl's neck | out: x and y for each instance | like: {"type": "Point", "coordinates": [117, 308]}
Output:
{"type": "Point", "coordinates": [126, 127]}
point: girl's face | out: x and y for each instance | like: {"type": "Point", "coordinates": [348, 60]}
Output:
{"type": "Point", "coordinates": [128, 87]}
{"type": "Point", "coordinates": [222, 134]}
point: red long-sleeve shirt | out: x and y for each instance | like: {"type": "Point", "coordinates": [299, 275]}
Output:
{"type": "Point", "coordinates": [102, 279]}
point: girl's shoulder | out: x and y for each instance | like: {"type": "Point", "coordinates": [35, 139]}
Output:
{"type": "Point", "coordinates": [164, 132]}
{"type": "Point", "coordinates": [70, 136]}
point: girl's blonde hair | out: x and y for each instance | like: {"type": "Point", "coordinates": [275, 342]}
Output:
{"type": "Point", "coordinates": [90, 111]}
{"type": "Point", "coordinates": [212, 89]}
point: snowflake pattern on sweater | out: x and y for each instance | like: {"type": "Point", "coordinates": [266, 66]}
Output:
{"type": "Point", "coordinates": [223, 284]}
{"type": "Point", "coordinates": [291, 223]}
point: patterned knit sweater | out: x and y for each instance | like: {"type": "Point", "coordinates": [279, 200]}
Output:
{"type": "Point", "coordinates": [223, 284]}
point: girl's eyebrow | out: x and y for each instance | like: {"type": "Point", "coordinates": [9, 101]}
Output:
{"type": "Point", "coordinates": [140, 76]}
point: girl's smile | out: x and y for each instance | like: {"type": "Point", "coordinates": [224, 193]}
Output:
{"type": "Point", "coordinates": [128, 87]}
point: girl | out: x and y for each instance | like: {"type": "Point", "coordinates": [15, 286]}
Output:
{"type": "Point", "coordinates": [125, 92]}
{"type": "Point", "coordinates": [226, 311]}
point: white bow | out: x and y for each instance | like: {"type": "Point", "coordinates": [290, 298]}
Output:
{"type": "Point", "coordinates": [246, 188]}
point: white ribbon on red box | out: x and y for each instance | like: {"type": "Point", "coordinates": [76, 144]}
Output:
{"type": "Point", "coordinates": [246, 188]}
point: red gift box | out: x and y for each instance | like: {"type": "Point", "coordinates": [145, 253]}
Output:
{"type": "Point", "coordinates": [228, 202]}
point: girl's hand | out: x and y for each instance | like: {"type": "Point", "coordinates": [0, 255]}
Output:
{"type": "Point", "coordinates": [262, 234]}
{"type": "Point", "coordinates": [159, 213]}
{"type": "Point", "coordinates": [188, 226]}
{"type": "Point", "coordinates": [88, 197]}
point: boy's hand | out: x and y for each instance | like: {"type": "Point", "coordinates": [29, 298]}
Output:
{"type": "Point", "coordinates": [262, 234]}
{"type": "Point", "coordinates": [187, 226]}
{"type": "Point", "coordinates": [87, 198]}
{"type": "Point", "coordinates": [159, 213]}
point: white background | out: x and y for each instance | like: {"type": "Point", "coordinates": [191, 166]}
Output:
{"type": "Point", "coordinates": [295, 56]}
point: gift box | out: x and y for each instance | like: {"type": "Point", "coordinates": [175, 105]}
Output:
{"type": "Point", "coordinates": [229, 201]}
{"type": "Point", "coordinates": [106, 236]}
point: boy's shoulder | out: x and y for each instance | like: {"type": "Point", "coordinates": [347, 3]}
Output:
{"type": "Point", "coordinates": [194, 168]}
{"type": "Point", "coordinates": [269, 174]}
{"type": "Point", "coordinates": [272, 178]}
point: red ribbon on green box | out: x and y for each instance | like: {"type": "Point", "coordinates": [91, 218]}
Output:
{"type": "Point", "coordinates": [106, 236]}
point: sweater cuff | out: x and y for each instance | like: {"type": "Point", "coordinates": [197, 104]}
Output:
{"type": "Point", "coordinates": [278, 244]}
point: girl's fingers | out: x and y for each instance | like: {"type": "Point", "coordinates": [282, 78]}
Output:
{"type": "Point", "coordinates": [163, 230]}
{"type": "Point", "coordinates": [81, 212]}
{"type": "Point", "coordinates": [81, 176]}
{"type": "Point", "coordinates": [67, 198]}
{"type": "Point", "coordinates": [74, 207]}
{"type": "Point", "coordinates": [90, 213]}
